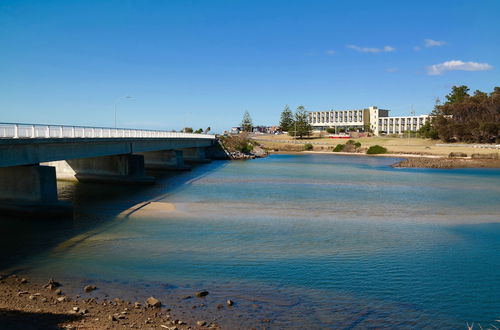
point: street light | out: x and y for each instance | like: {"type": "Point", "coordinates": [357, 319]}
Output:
{"type": "Point", "coordinates": [116, 101]}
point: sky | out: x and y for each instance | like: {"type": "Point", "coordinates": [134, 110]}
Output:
{"type": "Point", "coordinates": [203, 63]}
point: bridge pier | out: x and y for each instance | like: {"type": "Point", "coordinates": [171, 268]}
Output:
{"type": "Point", "coordinates": [165, 160]}
{"type": "Point", "coordinates": [195, 155]}
{"type": "Point", "coordinates": [118, 169]}
{"type": "Point", "coordinates": [31, 189]}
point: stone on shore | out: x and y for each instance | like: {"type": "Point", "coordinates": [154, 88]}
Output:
{"type": "Point", "coordinates": [153, 302]}
{"type": "Point", "coordinates": [202, 293]}
{"type": "Point", "coordinates": [89, 288]}
{"type": "Point", "coordinates": [229, 302]}
{"type": "Point", "coordinates": [201, 323]}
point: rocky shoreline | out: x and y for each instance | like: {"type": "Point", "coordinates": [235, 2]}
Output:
{"type": "Point", "coordinates": [447, 163]}
{"type": "Point", "coordinates": [30, 305]}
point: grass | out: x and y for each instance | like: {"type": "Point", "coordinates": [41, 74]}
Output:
{"type": "Point", "coordinates": [393, 145]}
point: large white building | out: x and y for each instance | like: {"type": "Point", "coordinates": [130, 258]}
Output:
{"type": "Point", "coordinates": [374, 119]}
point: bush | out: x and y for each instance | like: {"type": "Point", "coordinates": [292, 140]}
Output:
{"type": "Point", "coordinates": [308, 146]}
{"type": "Point", "coordinates": [457, 154]}
{"type": "Point", "coordinates": [357, 145]}
{"type": "Point", "coordinates": [376, 149]}
{"type": "Point", "coordinates": [330, 130]}
{"type": "Point", "coordinates": [338, 148]}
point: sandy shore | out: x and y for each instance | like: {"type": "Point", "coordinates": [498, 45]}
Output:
{"type": "Point", "coordinates": [30, 305]}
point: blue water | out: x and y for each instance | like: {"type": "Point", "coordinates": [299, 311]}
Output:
{"type": "Point", "coordinates": [316, 241]}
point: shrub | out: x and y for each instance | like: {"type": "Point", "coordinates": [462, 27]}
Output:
{"type": "Point", "coordinates": [330, 130]}
{"type": "Point", "coordinates": [376, 149]}
{"type": "Point", "coordinates": [357, 144]}
{"type": "Point", "coordinates": [338, 148]}
{"type": "Point", "coordinates": [308, 146]}
{"type": "Point", "coordinates": [457, 154]}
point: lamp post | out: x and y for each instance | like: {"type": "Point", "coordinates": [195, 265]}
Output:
{"type": "Point", "coordinates": [116, 101]}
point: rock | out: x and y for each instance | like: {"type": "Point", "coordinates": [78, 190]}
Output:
{"type": "Point", "coordinates": [44, 299]}
{"type": "Point", "coordinates": [201, 323]}
{"type": "Point", "coordinates": [229, 302]}
{"type": "Point", "coordinates": [31, 297]}
{"type": "Point", "coordinates": [187, 297]}
{"type": "Point", "coordinates": [153, 302]}
{"type": "Point", "coordinates": [220, 306]}
{"type": "Point", "coordinates": [63, 298]}
{"type": "Point", "coordinates": [137, 305]}
{"type": "Point", "coordinates": [122, 317]}
{"type": "Point", "coordinates": [76, 308]}
{"type": "Point", "coordinates": [23, 280]}
{"type": "Point", "coordinates": [58, 292]}
{"type": "Point", "coordinates": [202, 293]}
{"type": "Point", "coordinates": [22, 292]}
{"type": "Point", "coordinates": [112, 318]}
{"type": "Point", "coordinates": [52, 284]}
{"type": "Point", "coordinates": [84, 311]}
{"type": "Point", "coordinates": [89, 288]}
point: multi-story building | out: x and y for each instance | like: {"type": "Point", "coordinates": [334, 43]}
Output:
{"type": "Point", "coordinates": [371, 119]}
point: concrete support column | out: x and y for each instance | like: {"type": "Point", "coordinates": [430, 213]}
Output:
{"type": "Point", "coordinates": [165, 160]}
{"type": "Point", "coordinates": [120, 169]}
{"type": "Point", "coordinates": [195, 155]}
{"type": "Point", "coordinates": [30, 189]}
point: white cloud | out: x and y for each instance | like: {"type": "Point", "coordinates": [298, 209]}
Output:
{"type": "Point", "coordinates": [434, 43]}
{"type": "Point", "coordinates": [454, 65]}
{"type": "Point", "coordinates": [331, 52]}
{"type": "Point", "coordinates": [385, 49]}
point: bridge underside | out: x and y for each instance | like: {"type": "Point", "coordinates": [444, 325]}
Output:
{"type": "Point", "coordinates": [29, 168]}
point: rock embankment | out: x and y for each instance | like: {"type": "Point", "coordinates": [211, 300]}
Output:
{"type": "Point", "coordinates": [423, 162]}
{"type": "Point", "coordinates": [257, 152]}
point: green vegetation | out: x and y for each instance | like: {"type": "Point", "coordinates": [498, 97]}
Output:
{"type": "Point", "coordinates": [247, 123]}
{"type": "Point", "coordinates": [286, 121]}
{"type": "Point", "coordinates": [187, 130]}
{"type": "Point", "coordinates": [239, 142]}
{"type": "Point", "coordinates": [301, 126]}
{"type": "Point", "coordinates": [465, 117]}
{"type": "Point", "coordinates": [376, 149]}
{"type": "Point", "coordinates": [198, 131]}
{"type": "Point", "coordinates": [357, 145]}
{"type": "Point", "coordinates": [339, 148]}
{"type": "Point", "coordinates": [330, 130]}
{"type": "Point", "coordinates": [308, 146]}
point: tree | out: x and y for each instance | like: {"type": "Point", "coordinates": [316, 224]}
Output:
{"type": "Point", "coordinates": [286, 122]}
{"type": "Point", "coordinates": [301, 125]}
{"type": "Point", "coordinates": [246, 123]}
{"type": "Point", "coordinates": [187, 130]}
{"type": "Point", "coordinates": [199, 131]}
{"type": "Point", "coordinates": [207, 130]}
{"type": "Point", "coordinates": [468, 118]}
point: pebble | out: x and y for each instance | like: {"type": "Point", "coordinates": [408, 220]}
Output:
{"type": "Point", "coordinates": [201, 323]}
{"type": "Point", "coordinates": [63, 298]}
{"type": "Point", "coordinates": [76, 308]}
{"type": "Point", "coordinates": [23, 280]}
{"type": "Point", "coordinates": [153, 302]}
{"type": "Point", "coordinates": [229, 302]}
{"type": "Point", "coordinates": [58, 292]}
{"type": "Point", "coordinates": [31, 297]}
{"type": "Point", "coordinates": [202, 293]}
{"type": "Point", "coordinates": [89, 288]}
{"type": "Point", "coordinates": [137, 305]}
{"type": "Point", "coordinates": [112, 318]}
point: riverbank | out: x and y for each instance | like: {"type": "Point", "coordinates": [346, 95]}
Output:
{"type": "Point", "coordinates": [31, 304]}
{"type": "Point", "coordinates": [415, 160]}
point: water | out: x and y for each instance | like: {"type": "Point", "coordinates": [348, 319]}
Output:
{"type": "Point", "coordinates": [306, 241]}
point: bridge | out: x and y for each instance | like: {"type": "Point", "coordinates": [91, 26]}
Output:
{"type": "Point", "coordinates": [34, 156]}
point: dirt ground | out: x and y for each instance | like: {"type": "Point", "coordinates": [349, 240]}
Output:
{"type": "Point", "coordinates": [26, 305]}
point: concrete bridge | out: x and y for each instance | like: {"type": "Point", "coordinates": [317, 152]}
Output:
{"type": "Point", "coordinates": [33, 156]}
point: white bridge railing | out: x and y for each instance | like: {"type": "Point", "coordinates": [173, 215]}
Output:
{"type": "Point", "coordinates": [33, 131]}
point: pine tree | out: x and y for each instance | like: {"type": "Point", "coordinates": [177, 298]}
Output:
{"type": "Point", "coordinates": [301, 125]}
{"type": "Point", "coordinates": [286, 122]}
{"type": "Point", "coordinates": [246, 123]}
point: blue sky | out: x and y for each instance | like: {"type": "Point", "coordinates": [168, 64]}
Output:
{"type": "Point", "coordinates": [203, 63]}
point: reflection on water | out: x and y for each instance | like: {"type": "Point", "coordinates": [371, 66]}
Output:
{"type": "Point", "coordinates": [311, 240]}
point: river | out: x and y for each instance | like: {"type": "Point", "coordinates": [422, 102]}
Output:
{"type": "Point", "coordinates": [297, 241]}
